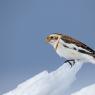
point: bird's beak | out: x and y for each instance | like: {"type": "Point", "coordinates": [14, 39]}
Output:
{"type": "Point", "coordinates": [47, 39]}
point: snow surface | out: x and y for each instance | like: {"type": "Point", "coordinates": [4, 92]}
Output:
{"type": "Point", "coordinates": [54, 83]}
{"type": "Point", "coordinates": [90, 90]}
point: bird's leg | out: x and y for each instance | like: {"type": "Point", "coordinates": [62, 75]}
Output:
{"type": "Point", "coordinates": [71, 62]}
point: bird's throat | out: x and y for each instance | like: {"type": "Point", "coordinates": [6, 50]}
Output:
{"type": "Point", "coordinates": [57, 45]}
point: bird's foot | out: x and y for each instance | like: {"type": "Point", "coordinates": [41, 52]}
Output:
{"type": "Point", "coordinates": [71, 62]}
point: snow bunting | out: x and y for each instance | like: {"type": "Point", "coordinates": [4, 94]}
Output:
{"type": "Point", "coordinates": [71, 49]}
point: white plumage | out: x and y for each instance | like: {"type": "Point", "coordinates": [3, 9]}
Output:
{"type": "Point", "coordinates": [71, 49]}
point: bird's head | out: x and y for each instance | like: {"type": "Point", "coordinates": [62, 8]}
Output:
{"type": "Point", "coordinates": [53, 39]}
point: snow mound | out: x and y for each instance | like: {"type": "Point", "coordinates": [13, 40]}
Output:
{"type": "Point", "coordinates": [54, 83]}
{"type": "Point", "coordinates": [90, 90]}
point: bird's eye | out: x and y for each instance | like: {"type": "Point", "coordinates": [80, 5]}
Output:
{"type": "Point", "coordinates": [51, 37]}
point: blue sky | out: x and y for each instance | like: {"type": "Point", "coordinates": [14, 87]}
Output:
{"type": "Point", "coordinates": [24, 26]}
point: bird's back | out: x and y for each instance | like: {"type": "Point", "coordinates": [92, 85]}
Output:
{"type": "Point", "coordinates": [84, 48]}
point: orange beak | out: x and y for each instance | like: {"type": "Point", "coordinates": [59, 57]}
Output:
{"type": "Point", "coordinates": [47, 39]}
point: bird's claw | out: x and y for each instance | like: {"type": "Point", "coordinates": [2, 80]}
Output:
{"type": "Point", "coordinates": [71, 62]}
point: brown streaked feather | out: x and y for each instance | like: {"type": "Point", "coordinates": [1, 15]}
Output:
{"type": "Point", "coordinates": [70, 40]}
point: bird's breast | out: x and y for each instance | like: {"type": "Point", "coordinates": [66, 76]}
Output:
{"type": "Point", "coordinates": [67, 52]}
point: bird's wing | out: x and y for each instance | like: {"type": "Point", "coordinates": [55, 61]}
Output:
{"type": "Point", "coordinates": [84, 48]}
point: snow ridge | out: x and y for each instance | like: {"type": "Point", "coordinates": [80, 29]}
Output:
{"type": "Point", "coordinates": [54, 83]}
{"type": "Point", "coordinates": [90, 90]}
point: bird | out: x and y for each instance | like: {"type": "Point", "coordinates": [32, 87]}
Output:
{"type": "Point", "coordinates": [70, 48]}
